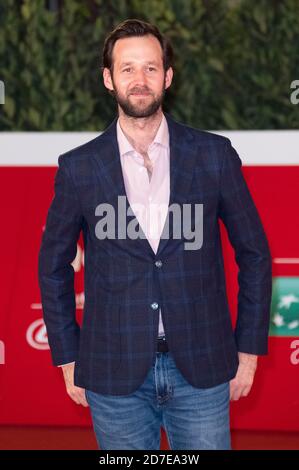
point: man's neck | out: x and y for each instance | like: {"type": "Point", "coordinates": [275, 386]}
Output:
{"type": "Point", "coordinates": [140, 132]}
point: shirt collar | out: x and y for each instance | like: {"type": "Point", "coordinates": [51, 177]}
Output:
{"type": "Point", "coordinates": [161, 137]}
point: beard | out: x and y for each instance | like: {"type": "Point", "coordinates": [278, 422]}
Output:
{"type": "Point", "coordinates": [143, 107]}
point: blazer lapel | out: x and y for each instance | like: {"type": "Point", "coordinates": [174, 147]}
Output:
{"type": "Point", "coordinates": [182, 162]}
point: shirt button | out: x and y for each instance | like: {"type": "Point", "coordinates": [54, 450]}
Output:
{"type": "Point", "coordinates": [154, 305]}
{"type": "Point", "coordinates": [158, 263]}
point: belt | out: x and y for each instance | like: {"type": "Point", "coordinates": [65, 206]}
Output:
{"type": "Point", "coordinates": [162, 345]}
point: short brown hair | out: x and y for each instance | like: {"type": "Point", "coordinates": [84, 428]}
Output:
{"type": "Point", "coordinates": [134, 27]}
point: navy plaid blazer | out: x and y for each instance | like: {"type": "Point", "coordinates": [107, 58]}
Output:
{"type": "Point", "coordinates": [125, 286]}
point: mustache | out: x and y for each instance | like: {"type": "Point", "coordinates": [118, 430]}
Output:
{"type": "Point", "coordinates": [138, 90]}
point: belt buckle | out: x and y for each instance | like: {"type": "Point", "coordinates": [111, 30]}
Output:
{"type": "Point", "coordinates": [162, 345]}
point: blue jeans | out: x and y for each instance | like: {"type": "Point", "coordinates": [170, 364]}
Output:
{"type": "Point", "coordinates": [193, 418]}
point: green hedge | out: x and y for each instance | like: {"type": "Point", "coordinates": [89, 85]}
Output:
{"type": "Point", "coordinates": [235, 60]}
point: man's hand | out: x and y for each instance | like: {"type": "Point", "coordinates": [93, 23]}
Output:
{"type": "Point", "coordinates": [240, 386]}
{"type": "Point", "coordinates": [76, 393]}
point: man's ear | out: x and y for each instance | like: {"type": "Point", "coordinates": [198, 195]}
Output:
{"type": "Point", "coordinates": [107, 79]}
{"type": "Point", "coordinates": [168, 77]}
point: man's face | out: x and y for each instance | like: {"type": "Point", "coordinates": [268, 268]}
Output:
{"type": "Point", "coordinates": [139, 80]}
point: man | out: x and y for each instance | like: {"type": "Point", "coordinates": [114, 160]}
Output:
{"type": "Point", "coordinates": [156, 346]}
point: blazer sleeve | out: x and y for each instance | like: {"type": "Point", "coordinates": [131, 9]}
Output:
{"type": "Point", "coordinates": [55, 272]}
{"type": "Point", "coordinates": [252, 254]}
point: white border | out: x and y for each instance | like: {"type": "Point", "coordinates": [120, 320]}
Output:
{"type": "Point", "coordinates": [43, 148]}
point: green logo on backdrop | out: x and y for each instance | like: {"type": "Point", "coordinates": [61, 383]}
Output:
{"type": "Point", "coordinates": [285, 307]}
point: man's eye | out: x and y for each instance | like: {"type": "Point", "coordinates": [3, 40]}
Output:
{"type": "Point", "coordinates": [128, 69]}
{"type": "Point", "coordinates": [151, 68]}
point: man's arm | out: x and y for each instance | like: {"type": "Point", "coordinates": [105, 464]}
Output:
{"type": "Point", "coordinates": [56, 278]}
{"type": "Point", "coordinates": [56, 274]}
{"type": "Point", "coordinates": [246, 234]}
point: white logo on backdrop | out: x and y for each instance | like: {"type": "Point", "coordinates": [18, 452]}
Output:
{"type": "Point", "coordinates": [2, 353]}
{"type": "Point", "coordinates": [36, 335]}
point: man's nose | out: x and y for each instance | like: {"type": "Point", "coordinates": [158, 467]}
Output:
{"type": "Point", "coordinates": [139, 77]}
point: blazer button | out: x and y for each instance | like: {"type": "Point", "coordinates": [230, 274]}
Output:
{"type": "Point", "coordinates": [154, 305]}
{"type": "Point", "coordinates": [158, 263]}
